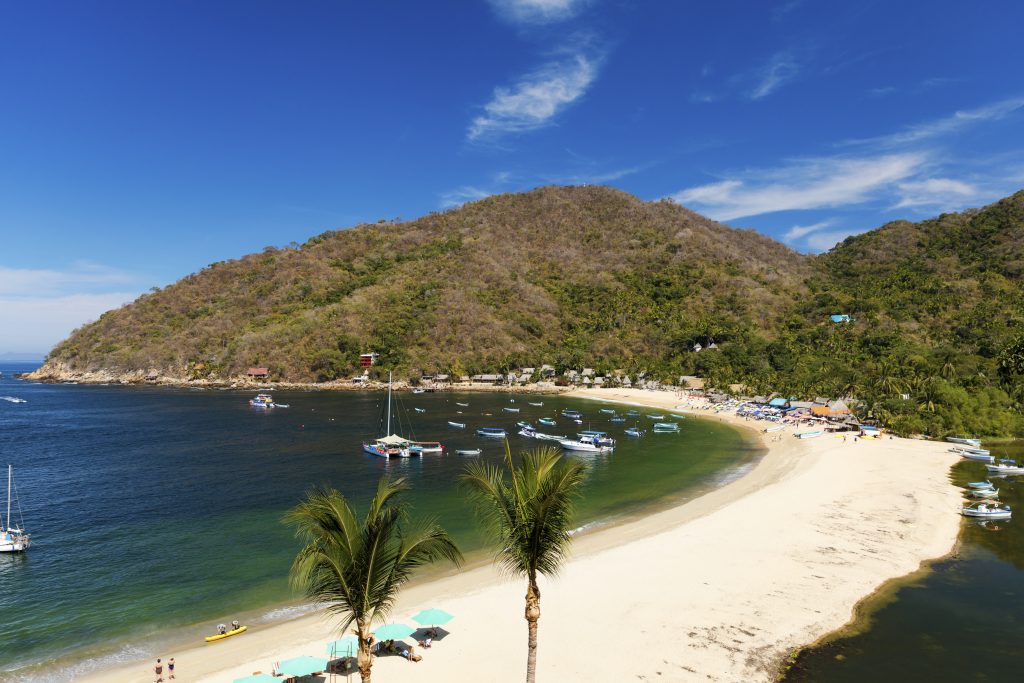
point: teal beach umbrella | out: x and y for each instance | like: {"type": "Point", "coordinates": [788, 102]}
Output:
{"type": "Point", "coordinates": [393, 632]}
{"type": "Point", "coordinates": [433, 617]}
{"type": "Point", "coordinates": [346, 647]}
{"type": "Point", "coordinates": [302, 666]}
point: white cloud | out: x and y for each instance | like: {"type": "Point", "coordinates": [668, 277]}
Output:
{"type": "Point", "coordinates": [781, 69]}
{"type": "Point", "coordinates": [36, 323]}
{"type": "Point", "coordinates": [802, 184]}
{"type": "Point", "coordinates": [461, 195]}
{"type": "Point", "coordinates": [535, 99]}
{"type": "Point", "coordinates": [823, 241]}
{"type": "Point", "coordinates": [798, 231]}
{"type": "Point", "coordinates": [951, 124]}
{"type": "Point", "coordinates": [83, 275]}
{"type": "Point", "coordinates": [537, 11]}
{"type": "Point", "coordinates": [936, 192]}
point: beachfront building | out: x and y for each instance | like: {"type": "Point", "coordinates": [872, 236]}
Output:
{"type": "Point", "coordinates": [368, 359]}
{"type": "Point", "coordinates": [487, 379]}
{"type": "Point", "coordinates": [258, 373]}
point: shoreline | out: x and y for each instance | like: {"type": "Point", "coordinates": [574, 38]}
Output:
{"type": "Point", "coordinates": [726, 584]}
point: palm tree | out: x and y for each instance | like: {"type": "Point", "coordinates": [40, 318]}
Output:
{"type": "Point", "coordinates": [529, 516]}
{"type": "Point", "coordinates": [357, 567]}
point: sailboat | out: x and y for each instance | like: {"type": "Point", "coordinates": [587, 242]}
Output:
{"type": "Point", "coordinates": [12, 539]}
{"type": "Point", "coordinates": [390, 445]}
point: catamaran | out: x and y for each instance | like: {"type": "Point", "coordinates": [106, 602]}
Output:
{"type": "Point", "coordinates": [390, 445]}
{"type": "Point", "coordinates": [13, 539]}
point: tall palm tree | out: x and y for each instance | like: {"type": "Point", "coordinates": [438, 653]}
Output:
{"type": "Point", "coordinates": [529, 515]}
{"type": "Point", "coordinates": [356, 567]}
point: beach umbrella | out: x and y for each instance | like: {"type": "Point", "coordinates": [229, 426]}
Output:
{"type": "Point", "coordinates": [346, 647]}
{"type": "Point", "coordinates": [433, 617]}
{"type": "Point", "coordinates": [257, 678]}
{"type": "Point", "coordinates": [302, 666]}
{"type": "Point", "coordinates": [393, 632]}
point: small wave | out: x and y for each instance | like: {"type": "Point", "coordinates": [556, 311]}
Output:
{"type": "Point", "coordinates": [83, 667]}
{"type": "Point", "coordinates": [285, 613]}
{"type": "Point", "coordinates": [13, 399]}
{"type": "Point", "coordinates": [733, 474]}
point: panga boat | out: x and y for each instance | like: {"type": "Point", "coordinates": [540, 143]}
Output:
{"type": "Point", "coordinates": [469, 451]}
{"type": "Point", "coordinates": [984, 493]}
{"type": "Point", "coordinates": [666, 427]}
{"type": "Point", "coordinates": [537, 404]}
{"type": "Point", "coordinates": [774, 428]}
{"type": "Point", "coordinates": [13, 539]}
{"type": "Point", "coordinates": [547, 437]}
{"type": "Point", "coordinates": [986, 510]}
{"type": "Point", "coordinates": [617, 420]}
{"type": "Point", "coordinates": [980, 484]}
{"type": "Point", "coordinates": [633, 413]}
{"type": "Point", "coordinates": [549, 421]}
{"type": "Point", "coordinates": [607, 411]}
{"type": "Point", "coordinates": [656, 417]}
{"type": "Point", "coordinates": [965, 441]}
{"type": "Point", "coordinates": [427, 446]}
{"type": "Point", "coordinates": [420, 410]}
{"type": "Point", "coordinates": [492, 432]}
{"type": "Point", "coordinates": [633, 431]}
{"type": "Point", "coordinates": [227, 634]}
{"type": "Point", "coordinates": [511, 410]}
{"type": "Point", "coordinates": [970, 454]}
{"type": "Point", "coordinates": [457, 425]}
{"type": "Point", "coordinates": [809, 435]}
{"type": "Point", "coordinates": [464, 405]}
{"type": "Point", "coordinates": [1005, 467]}
{"type": "Point", "coordinates": [573, 414]}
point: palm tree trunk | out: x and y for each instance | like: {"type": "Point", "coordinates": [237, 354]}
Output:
{"type": "Point", "coordinates": [532, 617]}
{"type": "Point", "coordinates": [365, 659]}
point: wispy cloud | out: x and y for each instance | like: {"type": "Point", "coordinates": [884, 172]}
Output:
{"type": "Point", "coordinates": [823, 241]}
{"type": "Point", "coordinates": [799, 231]}
{"type": "Point", "coordinates": [466, 193]}
{"type": "Point", "coordinates": [586, 172]}
{"type": "Point", "coordinates": [779, 12]}
{"type": "Point", "coordinates": [802, 184]}
{"type": "Point", "coordinates": [944, 193]}
{"type": "Point", "coordinates": [536, 98]}
{"type": "Point", "coordinates": [780, 69]}
{"type": "Point", "coordinates": [537, 11]}
{"type": "Point", "coordinates": [81, 276]}
{"type": "Point", "coordinates": [954, 123]}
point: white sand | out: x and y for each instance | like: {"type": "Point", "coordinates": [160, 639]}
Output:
{"type": "Point", "coordinates": [717, 589]}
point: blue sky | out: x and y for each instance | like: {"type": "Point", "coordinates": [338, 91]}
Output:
{"type": "Point", "coordinates": [141, 141]}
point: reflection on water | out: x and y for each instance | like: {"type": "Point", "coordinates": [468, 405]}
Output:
{"type": "Point", "coordinates": [962, 621]}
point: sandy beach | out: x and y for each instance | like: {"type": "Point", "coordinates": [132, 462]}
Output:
{"type": "Point", "coordinates": [720, 588]}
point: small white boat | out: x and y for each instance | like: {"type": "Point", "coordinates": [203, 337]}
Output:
{"type": "Point", "coordinates": [965, 441]}
{"type": "Point", "coordinates": [607, 411]}
{"type": "Point", "coordinates": [13, 539]}
{"type": "Point", "coordinates": [984, 493]}
{"type": "Point", "coordinates": [585, 446]}
{"type": "Point", "coordinates": [774, 428]}
{"type": "Point", "coordinates": [547, 437]}
{"type": "Point", "coordinates": [980, 484]}
{"type": "Point", "coordinates": [634, 432]}
{"type": "Point", "coordinates": [420, 410]}
{"type": "Point", "coordinates": [511, 410]}
{"type": "Point", "coordinates": [427, 446]}
{"type": "Point", "coordinates": [537, 404]}
{"type": "Point", "coordinates": [528, 432]}
{"type": "Point", "coordinates": [979, 457]}
{"type": "Point", "coordinates": [617, 420]}
{"type": "Point", "coordinates": [666, 427]}
{"type": "Point", "coordinates": [469, 451]}
{"type": "Point", "coordinates": [457, 425]}
{"type": "Point", "coordinates": [262, 401]}
{"type": "Point", "coordinates": [419, 391]}
{"type": "Point", "coordinates": [464, 405]}
{"type": "Point", "coordinates": [809, 435]}
{"type": "Point", "coordinates": [656, 417]}
{"type": "Point", "coordinates": [572, 414]}
{"type": "Point", "coordinates": [1005, 467]}
{"type": "Point", "coordinates": [986, 510]}
{"type": "Point", "coordinates": [492, 432]}
{"type": "Point", "coordinates": [549, 421]}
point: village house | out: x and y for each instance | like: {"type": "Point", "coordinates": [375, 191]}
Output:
{"type": "Point", "coordinates": [257, 373]}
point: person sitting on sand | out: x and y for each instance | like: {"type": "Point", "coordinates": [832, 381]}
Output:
{"type": "Point", "coordinates": [426, 642]}
{"type": "Point", "coordinates": [411, 655]}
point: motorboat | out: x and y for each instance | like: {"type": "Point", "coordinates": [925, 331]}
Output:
{"type": "Point", "coordinates": [584, 445]}
{"type": "Point", "coordinates": [809, 435]}
{"type": "Point", "coordinates": [262, 401]}
{"type": "Point", "coordinates": [457, 425]}
{"type": "Point", "coordinates": [632, 413]}
{"type": "Point", "coordinates": [634, 432]}
{"type": "Point", "coordinates": [572, 414]}
{"type": "Point", "coordinates": [549, 421]}
{"type": "Point", "coordinates": [987, 510]}
{"type": "Point", "coordinates": [665, 427]}
{"type": "Point", "coordinates": [656, 417]}
{"type": "Point", "coordinates": [427, 446]}
{"type": "Point", "coordinates": [595, 437]}
{"type": "Point", "coordinates": [979, 457]}
{"type": "Point", "coordinates": [547, 437]}
{"type": "Point", "coordinates": [511, 410]}
{"type": "Point", "coordinates": [420, 410]}
{"type": "Point", "coordinates": [13, 539]}
{"type": "Point", "coordinates": [984, 493]}
{"type": "Point", "coordinates": [464, 405]}
{"type": "Point", "coordinates": [469, 451]}
{"type": "Point", "coordinates": [537, 404]}
{"type": "Point", "coordinates": [980, 484]}
{"type": "Point", "coordinates": [607, 411]}
{"type": "Point", "coordinates": [1005, 467]}
{"type": "Point", "coordinates": [529, 432]}
{"type": "Point", "coordinates": [617, 420]}
{"type": "Point", "coordinates": [492, 432]}
{"type": "Point", "coordinates": [976, 443]}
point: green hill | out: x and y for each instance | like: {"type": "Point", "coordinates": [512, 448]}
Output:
{"type": "Point", "coordinates": [576, 276]}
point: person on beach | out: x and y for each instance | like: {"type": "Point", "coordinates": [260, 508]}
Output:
{"type": "Point", "coordinates": [235, 625]}
{"type": "Point", "coordinates": [158, 669]}
{"type": "Point", "coordinates": [170, 668]}
{"type": "Point", "coordinates": [222, 629]}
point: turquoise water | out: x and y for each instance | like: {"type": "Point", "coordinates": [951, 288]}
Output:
{"type": "Point", "coordinates": [961, 620]}
{"type": "Point", "coordinates": [155, 512]}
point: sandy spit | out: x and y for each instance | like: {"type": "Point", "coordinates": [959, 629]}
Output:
{"type": "Point", "coordinates": [720, 588]}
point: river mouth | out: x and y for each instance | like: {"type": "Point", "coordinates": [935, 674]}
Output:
{"type": "Point", "coordinates": [156, 512]}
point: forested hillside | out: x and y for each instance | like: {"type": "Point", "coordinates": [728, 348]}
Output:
{"type": "Point", "coordinates": [575, 276]}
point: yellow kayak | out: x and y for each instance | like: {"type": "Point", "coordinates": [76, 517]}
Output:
{"type": "Point", "coordinates": [228, 634]}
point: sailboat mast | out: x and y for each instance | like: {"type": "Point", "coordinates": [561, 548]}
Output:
{"type": "Point", "coordinates": [387, 433]}
{"type": "Point", "coordinates": [9, 468]}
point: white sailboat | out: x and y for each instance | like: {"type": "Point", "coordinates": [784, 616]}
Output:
{"type": "Point", "coordinates": [12, 539]}
{"type": "Point", "coordinates": [390, 445]}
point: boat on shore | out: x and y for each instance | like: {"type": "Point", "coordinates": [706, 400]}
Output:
{"type": "Point", "coordinates": [492, 432]}
{"type": "Point", "coordinates": [774, 428]}
{"type": "Point", "coordinates": [13, 539]}
{"type": "Point", "coordinates": [809, 435]}
{"type": "Point", "coordinates": [976, 443]}
{"type": "Point", "coordinates": [980, 484]}
{"type": "Point", "coordinates": [969, 454]}
{"type": "Point", "coordinates": [984, 493]}
{"type": "Point", "coordinates": [226, 634]}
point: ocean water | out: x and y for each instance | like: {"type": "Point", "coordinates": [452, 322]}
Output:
{"type": "Point", "coordinates": [962, 619]}
{"type": "Point", "coordinates": [155, 512]}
